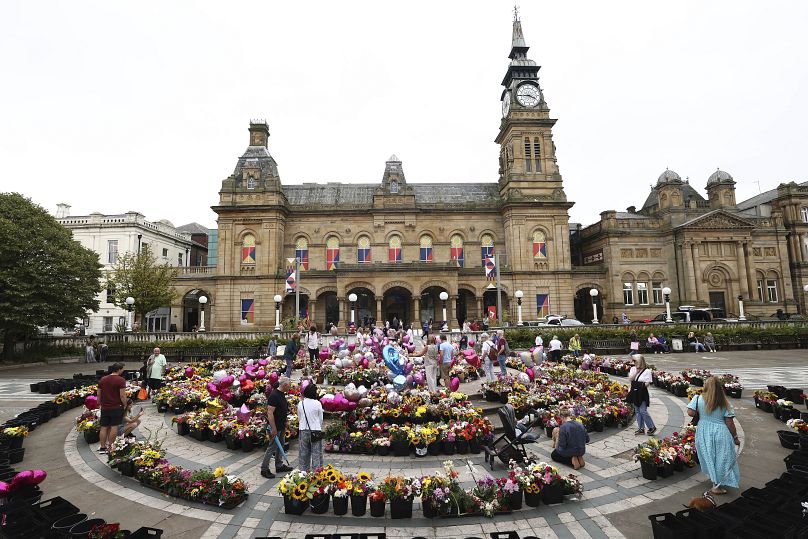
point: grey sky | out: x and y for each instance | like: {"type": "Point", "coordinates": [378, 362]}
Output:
{"type": "Point", "coordinates": [116, 106]}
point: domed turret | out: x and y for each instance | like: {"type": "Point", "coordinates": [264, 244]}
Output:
{"type": "Point", "coordinates": [719, 176]}
{"type": "Point", "coordinates": [721, 189]}
{"type": "Point", "coordinates": [669, 176]}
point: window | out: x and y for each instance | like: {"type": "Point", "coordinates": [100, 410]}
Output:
{"type": "Point", "coordinates": [108, 327]}
{"type": "Point", "coordinates": [642, 293]}
{"type": "Point", "coordinates": [302, 252]}
{"type": "Point", "coordinates": [144, 247]}
{"type": "Point", "coordinates": [331, 253]}
{"type": "Point", "coordinates": [542, 305]}
{"type": "Point", "coordinates": [656, 287]}
{"type": "Point", "coordinates": [537, 153]}
{"type": "Point", "coordinates": [248, 311]}
{"type": "Point", "coordinates": [528, 166]}
{"type": "Point", "coordinates": [165, 253]}
{"type": "Point", "coordinates": [486, 247]}
{"type": "Point", "coordinates": [628, 294]}
{"type": "Point", "coordinates": [248, 249]}
{"type": "Point", "coordinates": [179, 259]}
{"type": "Point", "coordinates": [394, 250]}
{"type": "Point", "coordinates": [110, 293]}
{"type": "Point", "coordinates": [250, 183]}
{"type": "Point", "coordinates": [112, 251]}
{"type": "Point", "coordinates": [539, 245]}
{"type": "Point", "coordinates": [363, 250]}
{"type": "Point", "coordinates": [760, 289]}
{"type": "Point", "coordinates": [771, 290]}
{"type": "Point", "coordinates": [426, 249]}
{"type": "Point", "coordinates": [394, 187]}
{"type": "Point", "coordinates": [456, 250]}
{"type": "Point", "coordinates": [804, 214]}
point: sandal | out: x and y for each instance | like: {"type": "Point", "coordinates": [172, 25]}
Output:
{"type": "Point", "coordinates": [718, 491]}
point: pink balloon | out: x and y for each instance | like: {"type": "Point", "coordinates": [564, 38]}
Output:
{"type": "Point", "coordinates": [455, 383]}
{"type": "Point", "coordinates": [530, 374]}
{"type": "Point", "coordinates": [242, 378]}
{"type": "Point", "coordinates": [228, 380]}
{"type": "Point", "coordinates": [243, 414]}
{"type": "Point", "coordinates": [407, 368]}
{"type": "Point", "coordinates": [324, 354]}
{"type": "Point", "coordinates": [39, 476]}
{"type": "Point", "coordinates": [227, 395]}
{"type": "Point", "coordinates": [351, 347]}
{"type": "Point", "coordinates": [406, 338]}
{"type": "Point", "coordinates": [410, 348]}
{"type": "Point", "coordinates": [189, 372]}
{"type": "Point", "coordinates": [261, 374]}
{"type": "Point", "coordinates": [410, 380]}
{"type": "Point", "coordinates": [472, 343]}
{"type": "Point", "coordinates": [91, 402]}
{"type": "Point", "coordinates": [365, 362]}
{"type": "Point", "coordinates": [212, 389]}
{"type": "Point", "coordinates": [22, 479]}
{"type": "Point", "coordinates": [273, 377]}
{"type": "Point", "coordinates": [333, 345]}
{"type": "Point", "coordinates": [368, 342]}
{"type": "Point", "coordinates": [303, 385]}
{"type": "Point", "coordinates": [5, 488]}
{"type": "Point", "coordinates": [474, 360]}
{"type": "Point", "coordinates": [419, 378]}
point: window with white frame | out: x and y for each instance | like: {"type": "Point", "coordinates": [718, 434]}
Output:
{"type": "Point", "coordinates": [642, 293]}
{"type": "Point", "coordinates": [656, 290]}
{"type": "Point", "coordinates": [804, 214]}
{"type": "Point", "coordinates": [628, 294]}
{"type": "Point", "coordinates": [110, 293]}
{"type": "Point", "coordinates": [112, 251]}
{"type": "Point", "coordinates": [179, 259]}
{"type": "Point", "coordinates": [760, 289]}
{"type": "Point", "coordinates": [107, 324]}
{"type": "Point", "coordinates": [771, 290]}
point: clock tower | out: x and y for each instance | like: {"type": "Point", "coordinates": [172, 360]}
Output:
{"type": "Point", "coordinates": [527, 161]}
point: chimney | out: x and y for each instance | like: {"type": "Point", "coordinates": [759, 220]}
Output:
{"type": "Point", "coordinates": [259, 133]}
{"type": "Point", "coordinates": [62, 210]}
{"type": "Point", "coordinates": [632, 209]}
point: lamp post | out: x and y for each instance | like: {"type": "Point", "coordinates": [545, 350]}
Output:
{"type": "Point", "coordinates": [594, 293]}
{"type": "Point", "coordinates": [667, 293]}
{"type": "Point", "coordinates": [740, 309]}
{"type": "Point", "coordinates": [443, 297]}
{"type": "Point", "coordinates": [352, 298]}
{"type": "Point", "coordinates": [202, 301]}
{"type": "Point", "coordinates": [278, 300]}
{"type": "Point", "coordinates": [519, 294]}
{"type": "Point", "coordinates": [129, 302]}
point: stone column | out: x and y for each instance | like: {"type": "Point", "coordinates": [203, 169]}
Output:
{"type": "Point", "coordinates": [451, 315]}
{"type": "Point", "coordinates": [743, 280]}
{"type": "Point", "coordinates": [688, 266]}
{"type": "Point", "coordinates": [379, 312]}
{"type": "Point", "coordinates": [416, 312]}
{"type": "Point", "coordinates": [480, 313]}
{"type": "Point", "coordinates": [750, 275]}
{"type": "Point", "coordinates": [697, 273]}
{"type": "Point", "coordinates": [343, 320]}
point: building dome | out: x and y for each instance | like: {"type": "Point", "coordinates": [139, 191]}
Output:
{"type": "Point", "coordinates": [719, 176]}
{"type": "Point", "coordinates": [669, 176]}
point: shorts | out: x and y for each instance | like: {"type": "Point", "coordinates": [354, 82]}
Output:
{"type": "Point", "coordinates": [155, 383]}
{"type": "Point", "coordinates": [111, 417]}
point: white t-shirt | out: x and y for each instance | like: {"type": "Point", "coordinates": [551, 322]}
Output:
{"type": "Point", "coordinates": [314, 412]}
{"type": "Point", "coordinates": [555, 344]}
{"type": "Point", "coordinates": [313, 340]}
{"type": "Point", "coordinates": [157, 367]}
{"type": "Point", "coordinates": [645, 377]}
{"type": "Point", "coordinates": [539, 341]}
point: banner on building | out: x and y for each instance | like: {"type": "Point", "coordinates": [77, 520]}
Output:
{"type": "Point", "coordinates": [543, 305]}
{"type": "Point", "coordinates": [291, 283]}
{"type": "Point", "coordinates": [490, 269]}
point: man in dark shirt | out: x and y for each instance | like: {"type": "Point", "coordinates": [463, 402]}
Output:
{"type": "Point", "coordinates": [112, 401]}
{"type": "Point", "coordinates": [570, 441]}
{"type": "Point", "coordinates": [277, 410]}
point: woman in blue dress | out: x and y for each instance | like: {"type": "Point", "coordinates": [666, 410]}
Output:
{"type": "Point", "coordinates": [716, 436]}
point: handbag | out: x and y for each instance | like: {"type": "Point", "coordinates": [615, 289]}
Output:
{"type": "Point", "coordinates": [695, 420]}
{"type": "Point", "coordinates": [634, 396]}
{"type": "Point", "coordinates": [316, 435]}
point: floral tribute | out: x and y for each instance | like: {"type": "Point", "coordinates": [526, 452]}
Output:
{"type": "Point", "coordinates": [679, 446]}
{"type": "Point", "coordinates": [798, 425]}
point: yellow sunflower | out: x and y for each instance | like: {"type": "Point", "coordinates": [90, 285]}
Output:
{"type": "Point", "coordinates": [363, 477]}
{"type": "Point", "coordinates": [299, 493]}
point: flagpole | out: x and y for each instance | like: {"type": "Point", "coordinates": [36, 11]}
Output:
{"type": "Point", "coordinates": [297, 291]}
{"type": "Point", "coordinates": [499, 290]}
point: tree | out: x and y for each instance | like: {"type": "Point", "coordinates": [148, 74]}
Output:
{"type": "Point", "coordinates": [138, 275]}
{"type": "Point", "coordinates": [46, 278]}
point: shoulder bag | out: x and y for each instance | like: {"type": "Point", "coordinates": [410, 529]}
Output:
{"type": "Point", "coordinates": [695, 420]}
{"type": "Point", "coordinates": [635, 394]}
{"type": "Point", "coordinates": [316, 435]}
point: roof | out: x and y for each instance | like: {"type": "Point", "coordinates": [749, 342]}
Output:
{"type": "Point", "coordinates": [719, 176]}
{"type": "Point", "coordinates": [361, 194]}
{"type": "Point", "coordinates": [629, 215]}
{"type": "Point", "coordinates": [193, 228]}
{"type": "Point", "coordinates": [762, 198]}
{"type": "Point", "coordinates": [668, 176]}
{"type": "Point", "coordinates": [687, 192]}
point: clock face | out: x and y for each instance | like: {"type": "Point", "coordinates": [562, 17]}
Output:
{"type": "Point", "coordinates": [528, 95]}
{"type": "Point", "coordinates": [506, 104]}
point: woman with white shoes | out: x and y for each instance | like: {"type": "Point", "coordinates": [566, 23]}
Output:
{"type": "Point", "coordinates": [640, 378]}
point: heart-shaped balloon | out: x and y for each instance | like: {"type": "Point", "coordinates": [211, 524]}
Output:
{"type": "Point", "coordinates": [91, 402]}
{"type": "Point", "coordinates": [22, 479]}
{"type": "Point", "coordinates": [212, 389]}
{"type": "Point", "coordinates": [406, 338]}
{"type": "Point", "coordinates": [472, 343]}
{"type": "Point", "coordinates": [226, 395]}
{"type": "Point", "coordinates": [189, 372]}
{"type": "Point", "coordinates": [419, 378]}
{"type": "Point", "coordinates": [393, 398]}
{"type": "Point", "coordinates": [39, 476]}
{"type": "Point", "coordinates": [261, 374]}
{"type": "Point", "coordinates": [351, 347]}
{"type": "Point", "coordinates": [524, 378]}
{"type": "Point", "coordinates": [250, 361]}
{"type": "Point", "coordinates": [391, 359]}
{"type": "Point", "coordinates": [455, 383]}
{"type": "Point", "coordinates": [263, 362]}
{"type": "Point", "coordinates": [365, 362]}
{"type": "Point", "coordinates": [324, 355]}
{"type": "Point", "coordinates": [368, 342]}
{"type": "Point", "coordinates": [473, 360]}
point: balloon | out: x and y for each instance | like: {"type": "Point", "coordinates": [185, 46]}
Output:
{"type": "Point", "coordinates": [467, 352]}
{"type": "Point", "coordinates": [243, 414]}
{"type": "Point", "coordinates": [364, 403]}
{"type": "Point", "coordinates": [189, 372]}
{"type": "Point", "coordinates": [22, 479]}
{"type": "Point", "coordinates": [391, 359]}
{"type": "Point", "coordinates": [407, 368]}
{"type": "Point", "coordinates": [410, 348]}
{"type": "Point", "coordinates": [218, 376]}
{"type": "Point", "coordinates": [338, 363]}
{"type": "Point", "coordinates": [351, 347]}
{"type": "Point", "coordinates": [368, 342]}
{"type": "Point", "coordinates": [242, 378]}
{"type": "Point", "coordinates": [5, 488]}
{"type": "Point", "coordinates": [212, 389]}
{"type": "Point", "coordinates": [419, 378]}
{"type": "Point", "coordinates": [455, 383]}
{"type": "Point", "coordinates": [410, 380]}
{"type": "Point", "coordinates": [248, 386]}
{"type": "Point", "coordinates": [399, 382]}
{"type": "Point", "coordinates": [474, 360]}
{"type": "Point", "coordinates": [226, 395]}
{"type": "Point", "coordinates": [333, 345]}
{"type": "Point", "coordinates": [260, 374]}
{"type": "Point", "coordinates": [365, 362]}
{"type": "Point", "coordinates": [324, 354]}
{"type": "Point", "coordinates": [352, 395]}
{"type": "Point", "coordinates": [530, 374]}
{"type": "Point", "coordinates": [472, 343]}
{"type": "Point", "coordinates": [369, 356]}
{"type": "Point", "coordinates": [263, 362]}
{"type": "Point", "coordinates": [250, 361]}
{"type": "Point", "coordinates": [273, 377]}
{"type": "Point", "coordinates": [406, 338]}
{"type": "Point", "coordinates": [523, 378]}
{"type": "Point", "coordinates": [393, 398]}
{"type": "Point", "coordinates": [343, 353]}
{"type": "Point", "coordinates": [227, 380]}
{"type": "Point", "coordinates": [527, 358]}
{"type": "Point", "coordinates": [91, 402]}
{"type": "Point", "coordinates": [39, 476]}
{"type": "Point", "coordinates": [363, 391]}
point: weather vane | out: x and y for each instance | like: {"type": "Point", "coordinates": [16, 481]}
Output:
{"type": "Point", "coordinates": [515, 12]}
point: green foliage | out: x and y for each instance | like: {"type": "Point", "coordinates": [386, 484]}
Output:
{"type": "Point", "coordinates": [46, 278]}
{"type": "Point", "coordinates": [138, 275]}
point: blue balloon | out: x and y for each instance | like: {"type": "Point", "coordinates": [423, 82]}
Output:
{"type": "Point", "coordinates": [400, 382]}
{"type": "Point", "coordinates": [391, 358]}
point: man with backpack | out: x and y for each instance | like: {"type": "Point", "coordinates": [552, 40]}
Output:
{"type": "Point", "coordinates": [503, 350]}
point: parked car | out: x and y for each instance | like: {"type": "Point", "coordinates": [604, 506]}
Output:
{"type": "Point", "coordinates": [553, 320]}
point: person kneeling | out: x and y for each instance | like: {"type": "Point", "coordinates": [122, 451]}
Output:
{"type": "Point", "coordinates": [569, 441]}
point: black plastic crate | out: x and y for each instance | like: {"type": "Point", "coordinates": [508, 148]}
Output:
{"type": "Point", "coordinates": [669, 526]}
{"type": "Point", "coordinates": [766, 496]}
{"type": "Point", "coordinates": [51, 510]}
{"type": "Point", "coordinates": [736, 511]}
{"type": "Point", "coordinates": [757, 527]}
{"type": "Point", "coordinates": [705, 525]}
{"type": "Point", "coordinates": [144, 533]}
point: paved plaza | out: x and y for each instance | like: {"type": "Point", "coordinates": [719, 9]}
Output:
{"type": "Point", "coordinates": [616, 500]}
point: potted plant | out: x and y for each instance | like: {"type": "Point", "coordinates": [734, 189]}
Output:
{"type": "Point", "coordinates": [377, 503]}
{"type": "Point", "coordinates": [448, 442]}
{"type": "Point", "coordinates": [646, 454]}
{"type": "Point", "coordinates": [339, 495]}
{"type": "Point", "coordinates": [517, 482]}
{"type": "Point", "coordinates": [439, 492]}
{"type": "Point", "coordinates": [297, 488]}
{"type": "Point", "coordinates": [382, 446]}
{"type": "Point", "coordinates": [401, 491]}
{"type": "Point", "coordinates": [359, 487]}
{"type": "Point", "coordinates": [400, 441]}
{"type": "Point", "coordinates": [552, 489]}
{"type": "Point", "coordinates": [488, 497]}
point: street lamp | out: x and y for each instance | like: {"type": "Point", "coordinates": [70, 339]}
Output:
{"type": "Point", "coordinates": [667, 293]}
{"type": "Point", "coordinates": [352, 298]}
{"type": "Point", "coordinates": [519, 294]}
{"type": "Point", "coordinates": [443, 297]}
{"type": "Point", "coordinates": [594, 293]}
{"type": "Point", "coordinates": [202, 301]}
{"type": "Point", "coordinates": [129, 302]}
{"type": "Point", "coordinates": [740, 308]}
{"type": "Point", "coordinates": [278, 300]}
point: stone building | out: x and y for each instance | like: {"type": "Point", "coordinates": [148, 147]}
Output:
{"type": "Point", "coordinates": [398, 245]}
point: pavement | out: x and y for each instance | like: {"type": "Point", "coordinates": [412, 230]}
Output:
{"type": "Point", "coordinates": [616, 503]}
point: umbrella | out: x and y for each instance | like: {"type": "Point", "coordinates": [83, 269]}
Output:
{"type": "Point", "coordinates": [282, 453]}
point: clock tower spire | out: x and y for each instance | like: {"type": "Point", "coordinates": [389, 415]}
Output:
{"type": "Point", "coordinates": [527, 159]}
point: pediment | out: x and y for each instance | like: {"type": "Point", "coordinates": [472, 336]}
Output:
{"type": "Point", "coordinates": [717, 220]}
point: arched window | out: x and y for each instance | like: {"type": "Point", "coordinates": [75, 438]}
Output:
{"type": "Point", "coordinates": [248, 249]}
{"type": "Point", "coordinates": [804, 214]}
{"type": "Point", "coordinates": [539, 245]}
{"type": "Point", "coordinates": [302, 252]}
{"type": "Point", "coordinates": [426, 248]}
{"type": "Point", "coordinates": [528, 166]}
{"type": "Point", "coordinates": [363, 250]}
{"type": "Point", "coordinates": [456, 250]}
{"type": "Point", "coordinates": [394, 187]}
{"type": "Point", "coordinates": [486, 247]}
{"type": "Point", "coordinates": [250, 183]}
{"type": "Point", "coordinates": [537, 153]}
{"type": "Point", "coordinates": [394, 250]}
{"type": "Point", "coordinates": [331, 253]}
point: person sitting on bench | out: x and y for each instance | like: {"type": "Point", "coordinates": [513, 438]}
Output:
{"type": "Point", "coordinates": [569, 441]}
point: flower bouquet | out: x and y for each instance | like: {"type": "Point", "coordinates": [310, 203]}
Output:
{"type": "Point", "coordinates": [400, 490]}
{"type": "Point", "coordinates": [439, 492]}
{"type": "Point", "coordinates": [297, 488]}
{"type": "Point", "coordinates": [765, 400]}
{"type": "Point", "coordinates": [488, 496]}
{"type": "Point", "coordinates": [359, 487]}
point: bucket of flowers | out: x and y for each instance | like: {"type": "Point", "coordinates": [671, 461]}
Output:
{"type": "Point", "coordinates": [488, 497]}
{"type": "Point", "coordinates": [88, 424]}
{"type": "Point", "coordinates": [401, 491]}
{"type": "Point", "coordinates": [360, 486]}
{"type": "Point", "coordinates": [679, 387]}
{"type": "Point", "coordinates": [784, 410]}
{"type": "Point", "coordinates": [439, 492]}
{"type": "Point", "coordinates": [108, 531]}
{"type": "Point", "coordinates": [339, 494]}
{"type": "Point", "coordinates": [377, 503]}
{"type": "Point", "coordinates": [400, 440]}
{"type": "Point", "coordinates": [382, 446]}
{"type": "Point", "coordinates": [765, 400]}
{"type": "Point", "coordinates": [647, 455]}
{"type": "Point", "coordinates": [518, 481]}
{"type": "Point", "coordinates": [552, 485]}
{"type": "Point", "coordinates": [324, 479]}
{"type": "Point", "coordinates": [297, 488]}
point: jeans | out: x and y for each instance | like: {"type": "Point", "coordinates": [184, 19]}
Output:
{"type": "Point", "coordinates": [697, 347]}
{"type": "Point", "coordinates": [311, 452]}
{"type": "Point", "coordinates": [502, 368]}
{"type": "Point", "coordinates": [314, 356]}
{"type": "Point", "coordinates": [643, 418]}
{"type": "Point", "coordinates": [289, 363]}
{"type": "Point", "coordinates": [272, 450]}
{"type": "Point", "coordinates": [488, 366]}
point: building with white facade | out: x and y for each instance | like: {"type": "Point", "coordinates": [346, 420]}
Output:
{"type": "Point", "coordinates": [113, 235]}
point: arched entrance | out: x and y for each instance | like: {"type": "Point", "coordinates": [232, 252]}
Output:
{"type": "Point", "coordinates": [365, 305]}
{"type": "Point", "coordinates": [396, 304]}
{"type": "Point", "coordinates": [465, 307]}
{"type": "Point", "coordinates": [431, 305]}
{"type": "Point", "coordinates": [490, 303]}
{"type": "Point", "coordinates": [190, 310]}
{"type": "Point", "coordinates": [583, 306]}
{"type": "Point", "coordinates": [327, 311]}
{"type": "Point", "coordinates": [288, 309]}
